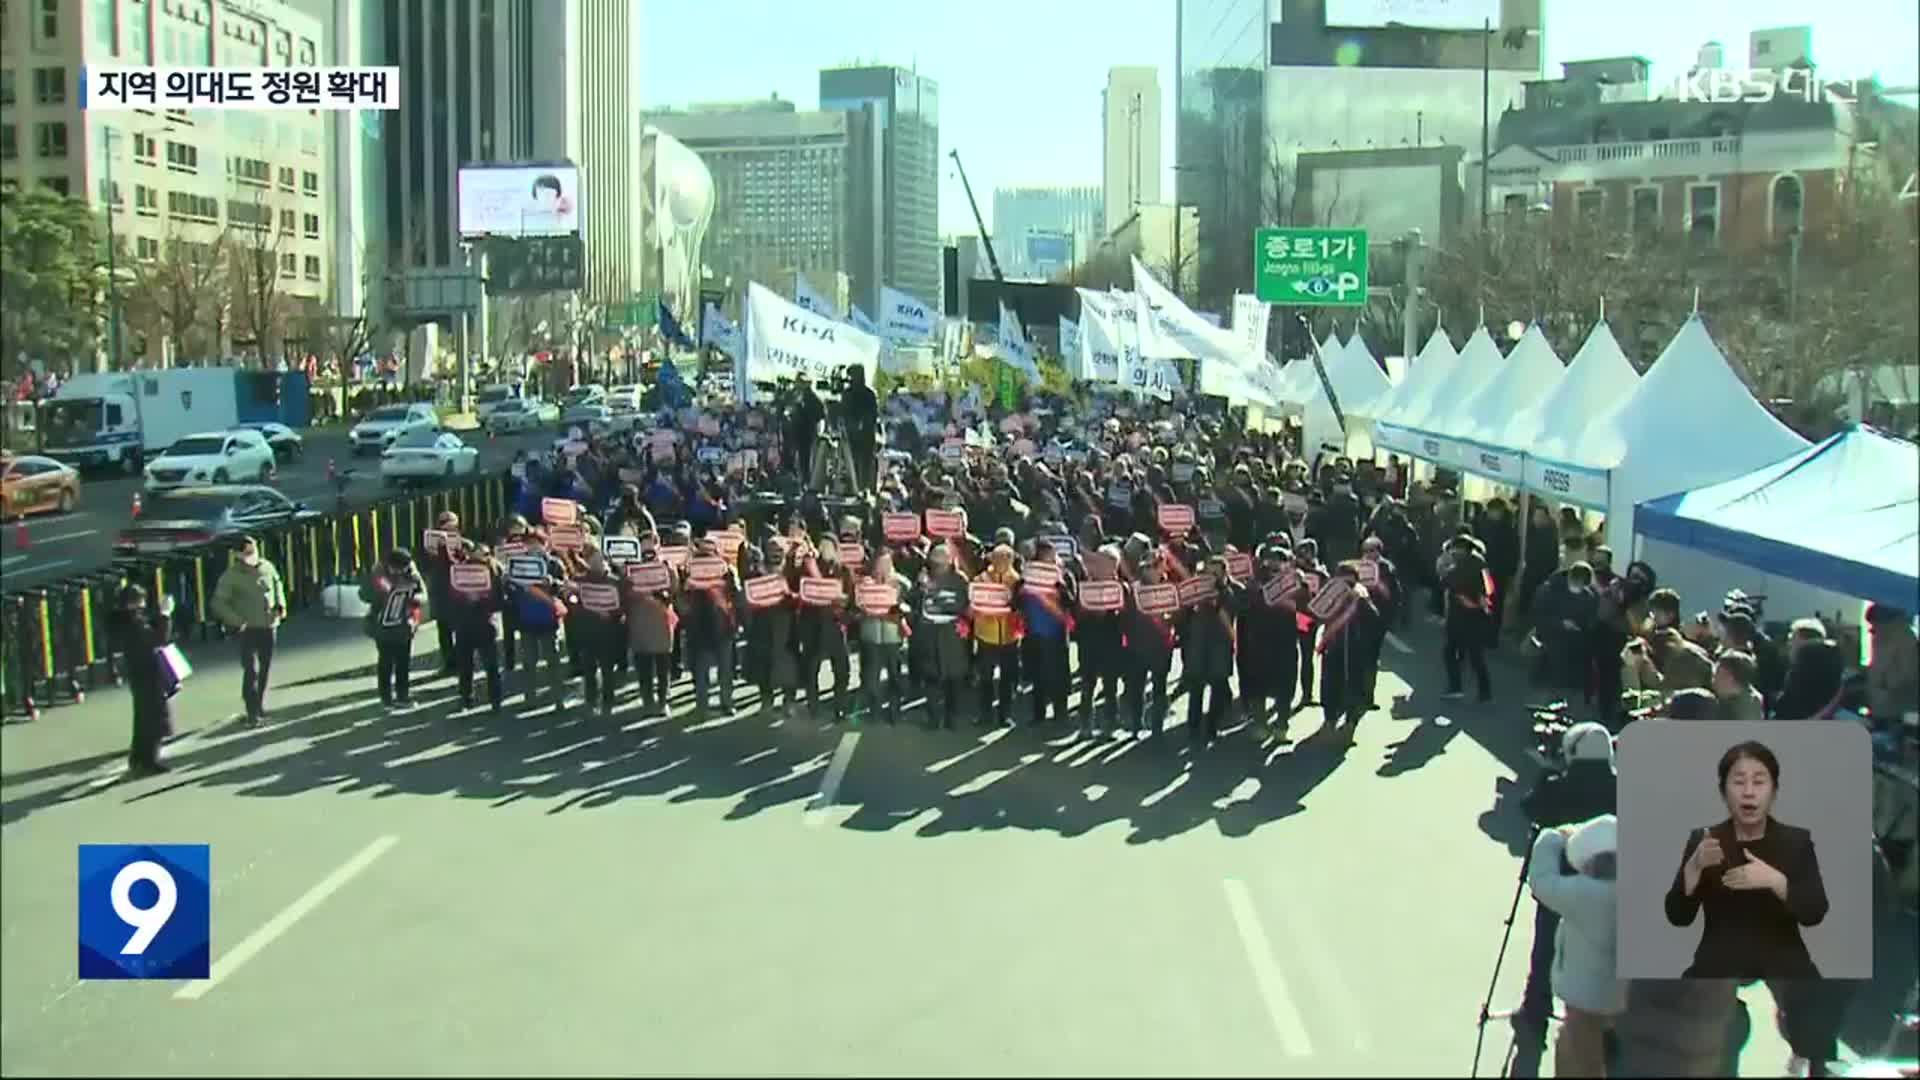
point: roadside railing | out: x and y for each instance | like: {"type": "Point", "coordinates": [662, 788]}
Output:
{"type": "Point", "coordinates": [55, 637]}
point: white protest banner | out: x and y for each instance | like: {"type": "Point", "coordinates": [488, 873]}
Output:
{"type": "Point", "coordinates": [1176, 518]}
{"type": "Point", "coordinates": [567, 537]}
{"type": "Point", "coordinates": [1168, 327]}
{"type": "Point", "coordinates": [785, 340]}
{"type": "Point", "coordinates": [853, 555]}
{"type": "Point", "coordinates": [805, 295]}
{"type": "Point", "coordinates": [988, 598]}
{"type": "Point", "coordinates": [876, 598]}
{"type": "Point", "coordinates": [905, 318]}
{"type": "Point", "coordinates": [1070, 348]}
{"type": "Point", "coordinates": [900, 527]}
{"type": "Point", "coordinates": [729, 542]}
{"type": "Point", "coordinates": [1102, 596]}
{"type": "Point", "coordinates": [1197, 588]}
{"type": "Point", "coordinates": [942, 524]}
{"type": "Point", "coordinates": [527, 569]}
{"type": "Point", "coordinates": [1332, 600]}
{"type": "Point", "coordinates": [1369, 571]}
{"type": "Point", "coordinates": [435, 541]}
{"type": "Point", "coordinates": [675, 556]}
{"type": "Point", "coordinates": [1279, 591]}
{"type": "Point", "coordinates": [1155, 378]}
{"type": "Point", "coordinates": [1013, 347]}
{"type": "Point", "coordinates": [1039, 575]}
{"type": "Point", "coordinates": [1239, 565]}
{"type": "Point", "coordinates": [1103, 342]}
{"type": "Point", "coordinates": [559, 511]}
{"type": "Point", "coordinates": [706, 570]}
{"type": "Point", "coordinates": [621, 548]}
{"type": "Point", "coordinates": [1250, 320]}
{"type": "Point", "coordinates": [1157, 599]}
{"type": "Point", "coordinates": [649, 576]}
{"type": "Point", "coordinates": [821, 591]}
{"type": "Point", "coordinates": [472, 579]}
{"type": "Point", "coordinates": [766, 590]}
{"type": "Point", "coordinates": [600, 596]}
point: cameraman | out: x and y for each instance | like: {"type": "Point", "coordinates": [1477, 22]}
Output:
{"type": "Point", "coordinates": [803, 415]}
{"type": "Point", "coordinates": [860, 413]}
{"type": "Point", "coordinates": [1583, 790]}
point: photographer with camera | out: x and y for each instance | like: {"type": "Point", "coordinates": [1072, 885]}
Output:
{"type": "Point", "coordinates": [1573, 872]}
{"type": "Point", "coordinates": [1583, 788]}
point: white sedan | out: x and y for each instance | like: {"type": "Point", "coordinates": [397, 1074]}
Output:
{"type": "Point", "coordinates": [520, 414]}
{"type": "Point", "coordinates": [424, 455]}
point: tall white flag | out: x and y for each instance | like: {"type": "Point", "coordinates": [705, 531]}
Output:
{"type": "Point", "coordinates": [1070, 357]}
{"type": "Point", "coordinates": [904, 317]}
{"type": "Point", "coordinates": [719, 331]}
{"type": "Point", "coordinates": [1168, 327]}
{"type": "Point", "coordinates": [1014, 347]}
{"type": "Point", "coordinates": [807, 297]}
{"type": "Point", "coordinates": [1250, 318]}
{"type": "Point", "coordinates": [1119, 335]}
{"type": "Point", "coordinates": [785, 340]}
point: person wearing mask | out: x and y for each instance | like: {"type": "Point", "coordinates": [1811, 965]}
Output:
{"type": "Point", "coordinates": [1381, 576]}
{"type": "Point", "coordinates": [434, 570]}
{"type": "Point", "coordinates": [710, 618]}
{"type": "Point", "coordinates": [1500, 548]}
{"type": "Point", "coordinates": [1735, 697]}
{"type": "Point", "coordinates": [1335, 523]}
{"type": "Point", "coordinates": [515, 539]}
{"type": "Point", "coordinates": [1268, 650]}
{"type": "Point", "coordinates": [821, 629]}
{"type": "Point", "coordinates": [1350, 647]}
{"type": "Point", "coordinates": [1149, 640]}
{"type": "Point", "coordinates": [392, 593]}
{"type": "Point", "coordinates": [539, 611]}
{"type": "Point", "coordinates": [883, 639]}
{"type": "Point", "coordinates": [1815, 669]}
{"type": "Point", "coordinates": [1044, 612]}
{"type": "Point", "coordinates": [1206, 654]}
{"type": "Point", "coordinates": [1586, 788]}
{"type": "Point", "coordinates": [139, 633]}
{"type": "Point", "coordinates": [472, 616]}
{"type": "Point", "coordinates": [860, 413]}
{"type": "Point", "coordinates": [652, 624]}
{"type": "Point", "coordinates": [1573, 871]}
{"type": "Point", "coordinates": [251, 600]}
{"type": "Point", "coordinates": [941, 635]}
{"type": "Point", "coordinates": [1893, 675]}
{"type": "Point", "coordinates": [1306, 562]}
{"type": "Point", "coordinates": [597, 631]}
{"type": "Point", "coordinates": [997, 644]}
{"type": "Point", "coordinates": [1564, 614]}
{"type": "Point", "coordinates": [1470, 588]}
{"type": "Point", "coordinates": [771, 663]}
{"type": "Point", "coordinates": [1102, 661]}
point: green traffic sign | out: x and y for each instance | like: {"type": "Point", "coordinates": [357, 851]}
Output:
{"type": "Point", "coordinates": [639, 313]}
{"type": "Point", "coordinates": [1310, 267]}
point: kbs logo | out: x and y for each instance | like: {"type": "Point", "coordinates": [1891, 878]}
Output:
{"type": "Point", "coordinates": [1762, 85]}
{"type": "Point", "coordinates": [145, 911]}
{"type": "Point", "coordinates": [1557, 479]}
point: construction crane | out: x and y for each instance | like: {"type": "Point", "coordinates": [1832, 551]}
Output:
{"type": "Point", "coordinates": [985, 240]}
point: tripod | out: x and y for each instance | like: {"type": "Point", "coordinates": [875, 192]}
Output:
{"type": "Point", "coordinates": [1506, 938]}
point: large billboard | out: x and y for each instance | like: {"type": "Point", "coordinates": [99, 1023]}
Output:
{"type": "Point", "coordinates": [519, 200]}
{"type": "Point", "coordinates": [1423, 14]}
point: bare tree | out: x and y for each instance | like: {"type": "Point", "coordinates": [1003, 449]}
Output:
{"type": "Point", "coordinates": [181, 293]}
{"type": "Point", "coordinates": [261, 310]}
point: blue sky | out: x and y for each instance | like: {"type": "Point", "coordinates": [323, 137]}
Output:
{"type": "Point", "coordinates": [1020, 80]}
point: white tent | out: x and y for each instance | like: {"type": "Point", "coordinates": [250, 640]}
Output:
{"type": "Point", "coordinates": [1665, 439]}
{"type": "Point", "coordinates": [1301, 381]}
{"type": "Point", "coordinates": [1429, 370]}
{"type": "Point", "coordinates": [1477, 365]}
{"type": "Point", "coordinates": [1597, 383]}
{"type": "Point", "coordinates": [1357, 378]}
{"type": "Point", "coordinates": [1489, 433]}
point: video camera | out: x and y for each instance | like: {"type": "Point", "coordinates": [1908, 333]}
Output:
{"type": "Point", "coordinates": [1551, 723]}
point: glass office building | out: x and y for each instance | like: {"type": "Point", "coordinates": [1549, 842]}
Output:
{"type": "Point", "coordinates": [1219, 100]}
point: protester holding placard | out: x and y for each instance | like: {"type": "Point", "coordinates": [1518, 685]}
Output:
{"type": "Point", "coordinates": [436, 552]}
{"type": "Point", "coordinates": [514, 538]}
{"type": "Point", "coordinates": [392, 594]}
{"type": "Point", "coordinates": [821, 628]}
{"type": "Point", "coordinates": [941, 641]}
{"type": "Point", "coordinates": [709, 604]}
{"type": "Point", "coordinates": [1150, 639]}
{"type": "Point", "coordinates": [997, 634]}
{"type": "Point", "coordinates": [535, 580]}
{"type": "Point", "coordinates": [651, 624]}
{"type": "Point", "coordinates": [596, 632]}
{"type": "Point", "coordinates": [1382, 580]}
{"type": "Point", "coordinates": [1306, 563]}
{"type": "Point", "coordinates": [1351, 648]}
{"type": "Point", "coordinates": [1267, 646]}
{"type": "Point", "coordinates": [1046, 599]}
{"type": "Point", "coordinates": [883, 634]}
{"type": "Point", "coordinates": [771, 661]}
{"type": "Point", "coordinates": [1097, 633]}
{"type": "Point", "coordinates": [473, 599]}
{"type": "Point", "coordinates": [1206, 652]}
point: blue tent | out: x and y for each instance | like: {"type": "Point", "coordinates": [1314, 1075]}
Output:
{"type": "Point", "coordinates": [1842, 515]}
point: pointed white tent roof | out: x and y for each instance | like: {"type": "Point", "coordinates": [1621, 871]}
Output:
{"type": "Point", "coordinates": [1691, 423]}
{"type": "Point", "coordinates": [1428, 371]}
{"type": "Point", "coordinates": [1358, 380]}
{"type": "Point", "coordinates": [1598, 381]}
{"type": "Point", "coordinates": [1477, 364]}
{"type": "Point", "coordinates": [1498, 413]}
{"type": "Point", "coordinates": [1301, 382]}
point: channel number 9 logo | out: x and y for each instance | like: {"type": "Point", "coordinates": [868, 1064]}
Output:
{"type": "Point", "coordinates": [144, 911]}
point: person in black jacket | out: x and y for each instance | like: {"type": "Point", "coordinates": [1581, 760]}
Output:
{"type": "Point", "coordinates": [1350, 644]}
{"type": "Point", "coordinates": [1585, 789]}
{"type": "Point", "coordinates": [140, 632]}
{"type": "Point", "coordinates": [1098, 635]}
{"type": "Point", "coordinates": [434, 565]}
{"type": "Point", "coordinates": [1206, 654]}
{"type": "Point", "coordinates": [471, 616]}
{"type": "Point", "coordinates": [1757, 880]}
{"type": "Point", "coordinates": [1268, 651]}
{"type": "Point", "coordinates": [1815, 669]}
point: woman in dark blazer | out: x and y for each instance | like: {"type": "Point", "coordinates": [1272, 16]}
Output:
{"type": "Point", "coordinates": [1757, 879]}
{"type": "Point", "coordinates": [140, 631]}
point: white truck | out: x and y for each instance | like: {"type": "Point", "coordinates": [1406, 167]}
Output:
{"type": "Point", "coordinates": [121, 419]}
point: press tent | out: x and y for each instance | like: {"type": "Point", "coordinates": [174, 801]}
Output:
{"type": "Point", "coordinates": [1429, 372]}
{"type": "Point", "coordinates": [1599, 381]}
{"type": "Point", "coordinates": [1478, 364]}
{"type": "Point", "coordinates": [1363, 387]}
{"type": "Point", "coordinates": [1490, 432]}
{"type": "Point", "coordinates": [1690, 422]}
{"type": "Point", "coordinates": [1842, 516]}
{"type": "Point", "coordinates": [1359, 385]}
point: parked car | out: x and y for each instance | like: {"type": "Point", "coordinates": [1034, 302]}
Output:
{"type": "Point", "coordinates": [520, 414]}
{"type": "Point", "coordinates": [424, 455]}
{"type": "Point", "coordinates": [585, 405]}
{"type": "Point", "coordinates": [492, 399]}
{"type": "Point", "coordinates": [287, 443]}
{"type": "Point", "coordinates": [216, 457]}
{"type": "Point", "coordinates": [189, 516]}
{"type": "Point", "coordinates": [380, 427]}
{"type": "Point", "coordinates": [32, 484]}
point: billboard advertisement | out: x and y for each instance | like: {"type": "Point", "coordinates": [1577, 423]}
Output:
{"type": "Point", "coordinates": [519, 200]}
{"type": "Point", "coordinates": [1048, 249]}
{"type": "Point", "coordinates": [1422, 14]}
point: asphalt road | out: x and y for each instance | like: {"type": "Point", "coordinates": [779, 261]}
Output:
{"type": "Point", "coordinates": [61, 544]}
{"type": "Point", "coordinates": [428, 894]}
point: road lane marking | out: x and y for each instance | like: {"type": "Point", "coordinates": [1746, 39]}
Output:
{"type": "Point", "coordinates": [65, 536]}
{"type": "Point", "coordinates": [830, 783]}
{"type": "Point", "coordinates": [281, 923]}
{"type": "Point", "coordinates": [1328, 984]}
{"type": "Point", "coordinates": [1399, 646]}
{"type": "Point", "coordinates": [41, 568]}
{"type": "Point", "coordinates": [1266, 974]}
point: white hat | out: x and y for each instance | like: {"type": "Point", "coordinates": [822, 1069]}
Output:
{"type": "Point", "coordinates": [1592, 839]}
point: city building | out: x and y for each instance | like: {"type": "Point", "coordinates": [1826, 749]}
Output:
{"type": "Point", "coordinates": [906, 124]}
{"type": "Point", "coordinates": [793, 192]}
{"type": "Point", "coordinates": [1220, 137]}
{"type": "Point", "coordinates": [1394, 190]}
{"type": "Point", "coordinates": [1041, 232]}
{"type": "Point", "coordinates": [356, 197]}
{"type": "Point", "coordinates": [1148, 234]}
{"type": "Point", "coordinates": [1745, 176]}
{"type": "Point", "coordinates": [1130, 141]}
{"type": "Point", "coordinates": [176, 184]}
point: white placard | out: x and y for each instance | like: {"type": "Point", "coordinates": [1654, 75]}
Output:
{"type": "Point", "coordinates": [785, 340]}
